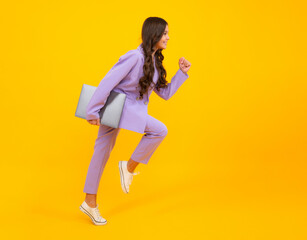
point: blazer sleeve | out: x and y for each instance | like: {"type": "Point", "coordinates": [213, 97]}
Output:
{"type": "Point", "coordinates": [177, 80]}
{"type": "Point", "coordinates": [117, 73]}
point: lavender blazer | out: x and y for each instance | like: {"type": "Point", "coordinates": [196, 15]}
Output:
{"type": "Point", "coordinates": [124, 77]}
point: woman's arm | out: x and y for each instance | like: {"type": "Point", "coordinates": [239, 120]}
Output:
{"type": "Point", "coordinates": [118, 72]}
{"type": "Point", "coordinates": [177, 80]}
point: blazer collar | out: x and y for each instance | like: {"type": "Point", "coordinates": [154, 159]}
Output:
{"type": "Point", "coordinates": [140, 48]}
{"type": "Point", "coordinates": [142, 51]}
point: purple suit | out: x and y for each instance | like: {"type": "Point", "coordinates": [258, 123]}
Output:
{"type": "Point", "coordinates": [123, 77]}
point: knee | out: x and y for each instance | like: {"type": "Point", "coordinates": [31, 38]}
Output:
{"type": "Point", "coordinates": [163, 131]}
{"type": "Point", "coordinates": [156, 128]}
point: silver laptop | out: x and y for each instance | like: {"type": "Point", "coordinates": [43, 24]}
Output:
{"type": "Point", "coordinates": [111, 112]}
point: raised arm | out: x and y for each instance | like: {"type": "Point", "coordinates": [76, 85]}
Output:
{"type": "Point", "coordinates": [177, 80]}
{"type": "Point", "coordinates": [118, 72]}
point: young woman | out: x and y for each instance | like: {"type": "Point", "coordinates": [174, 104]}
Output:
{"type": "Point", "coordinates": [137, 74]}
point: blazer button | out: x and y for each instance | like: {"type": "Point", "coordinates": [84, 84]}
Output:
{"type": "Point", "coordinates": [146, 102]}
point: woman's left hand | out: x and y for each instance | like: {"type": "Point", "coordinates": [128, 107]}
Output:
{"type": "Point", "coordinates": [184, 65]}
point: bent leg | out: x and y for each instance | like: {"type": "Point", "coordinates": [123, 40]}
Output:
{"type": "Point", "coordinates": [103, 146]}
{"type": "Point", "coordinates": [155, 132]}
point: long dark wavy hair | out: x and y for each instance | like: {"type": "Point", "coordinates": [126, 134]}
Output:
{"type": "Point", "coordinates": [152, 31]}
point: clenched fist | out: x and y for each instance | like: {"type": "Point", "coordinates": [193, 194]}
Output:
{"type": "Point", "coordinates": [94, 121]}
{"type": "Point", "coordinates": [184, 65]}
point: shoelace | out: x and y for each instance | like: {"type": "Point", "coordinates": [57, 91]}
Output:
{"type": "Point", "coordinates": [97, 213]}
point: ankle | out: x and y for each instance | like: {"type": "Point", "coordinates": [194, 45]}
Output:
{"type": "Point", "coordinates": [129, 168]}
{"type": "Point", "coordinates": [91, 204]}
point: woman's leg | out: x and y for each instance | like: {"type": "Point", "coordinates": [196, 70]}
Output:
{"type": "Point", "coordinates": [90, 199]}
{"type": "Point", "coordinates": [103, 146]}
{"type": "Point", "coordinates": [155, 132]}
{"type": "Point", "coordinates": [131, 165]}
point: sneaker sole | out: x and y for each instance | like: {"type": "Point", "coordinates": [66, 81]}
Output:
{"type": "Point", "coordinates": [122, 177]}
{"type": "Point", "coordinates": [92, 218]}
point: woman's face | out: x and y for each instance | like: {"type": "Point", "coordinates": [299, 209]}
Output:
{"type": "Point", "coordinates": [163, 41]}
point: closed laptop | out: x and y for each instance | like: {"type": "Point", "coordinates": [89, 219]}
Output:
{"type": "Point", "coordinates": [111, 112]}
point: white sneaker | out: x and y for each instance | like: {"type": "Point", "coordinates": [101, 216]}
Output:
{"type": "Point", "coordinates": [125, 176]}
{"type": "Point", "coordinates": [93, 213]}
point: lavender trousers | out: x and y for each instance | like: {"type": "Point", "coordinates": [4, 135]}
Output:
{"type": "Point", "coordinates": [155, 132]}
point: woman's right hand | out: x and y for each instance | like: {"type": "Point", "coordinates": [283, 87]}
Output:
{"type": "Point", "coordinates": [94, 121]}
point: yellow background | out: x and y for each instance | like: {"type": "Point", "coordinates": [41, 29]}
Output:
{"type": "Point", "coordinates": [233, 165]}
